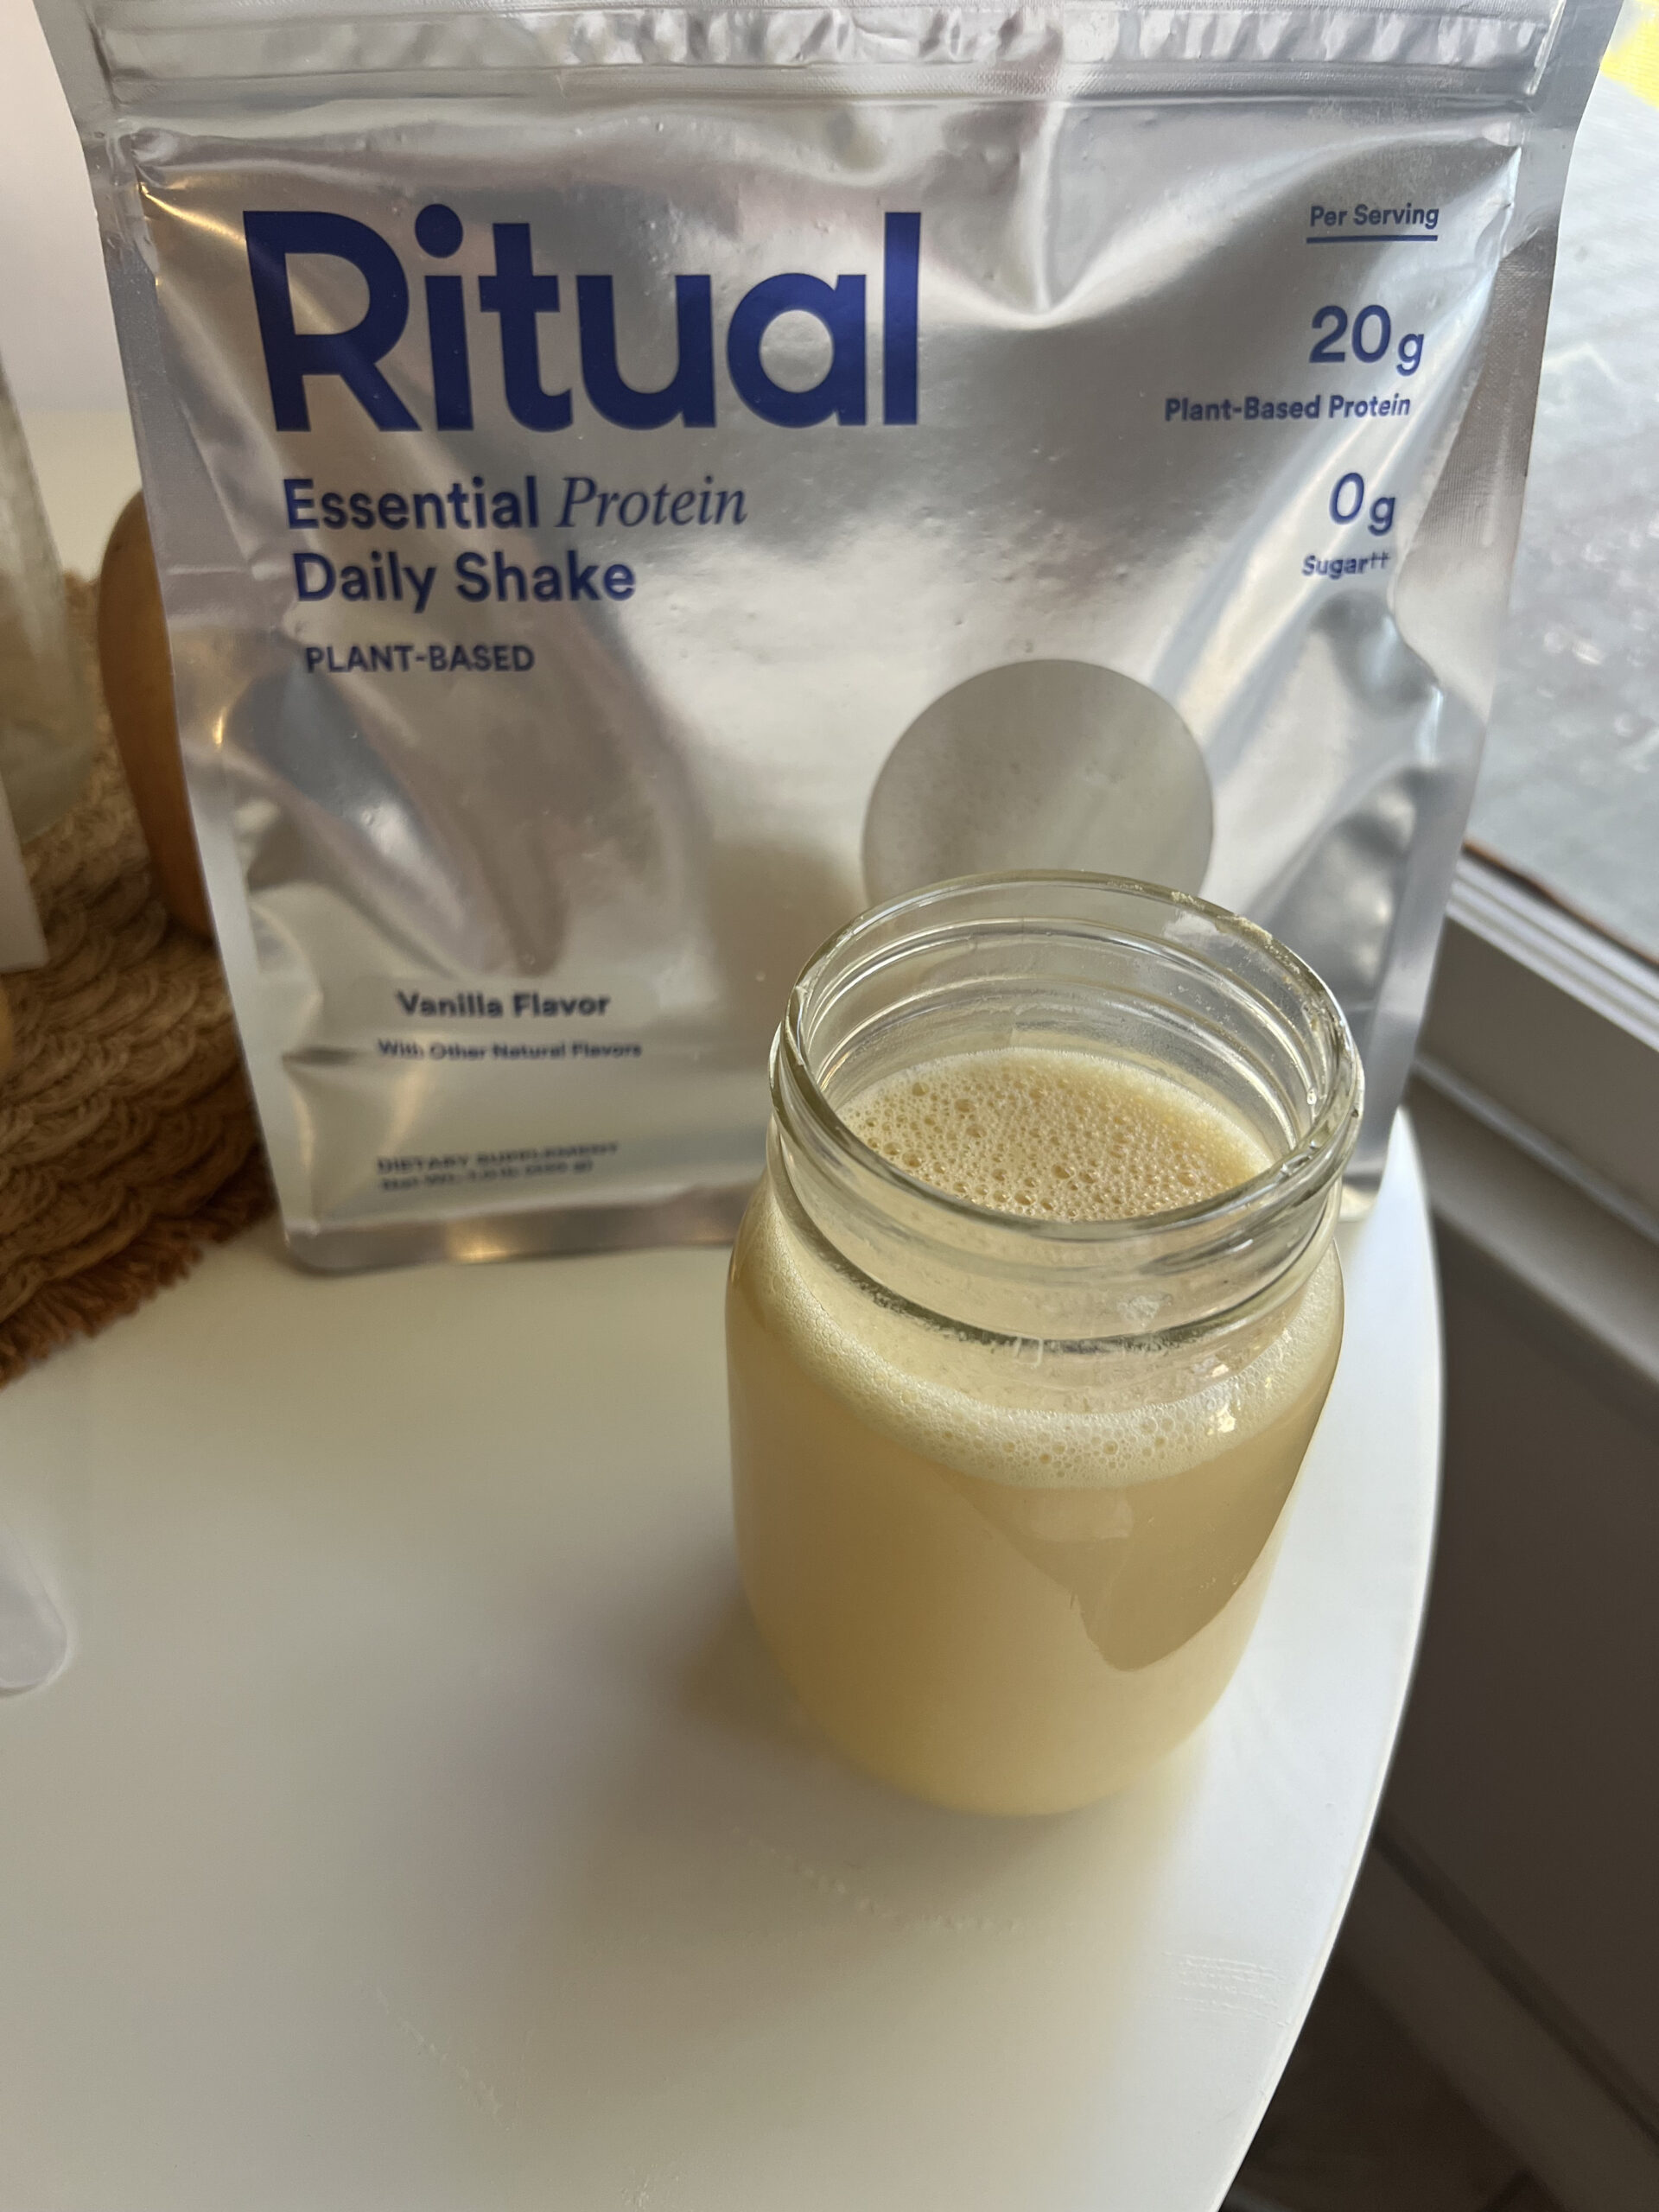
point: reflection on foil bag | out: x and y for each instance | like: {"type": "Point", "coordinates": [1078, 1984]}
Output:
{"type": "Point", "coordinates": [630, 487]}
{"type": "Point", "coordinates": [1346, 848]}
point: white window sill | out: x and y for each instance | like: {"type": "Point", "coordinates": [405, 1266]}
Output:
{"type": "Point", "coordinates": [1547, 1033]}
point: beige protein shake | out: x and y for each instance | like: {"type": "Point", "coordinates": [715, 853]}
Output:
{"type": "Point", "coordinates": [1008, 1571]}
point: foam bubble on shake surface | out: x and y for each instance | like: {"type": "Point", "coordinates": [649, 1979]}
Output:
{"type": "Point", "coordinates": [1061, 1134]}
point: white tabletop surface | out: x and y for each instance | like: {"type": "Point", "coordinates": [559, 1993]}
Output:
{"type": "Point", "coordinates": [417, 1824]}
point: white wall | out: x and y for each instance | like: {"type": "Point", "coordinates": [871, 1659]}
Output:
{"type": "Point", "coordinates": [57, 338]}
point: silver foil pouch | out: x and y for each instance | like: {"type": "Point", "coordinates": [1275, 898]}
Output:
{"type": "Point", "coordinates": [632, 486]}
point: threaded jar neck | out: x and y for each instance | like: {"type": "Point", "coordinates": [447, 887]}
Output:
{"type": "Point", "coordinates": [1073, 962]}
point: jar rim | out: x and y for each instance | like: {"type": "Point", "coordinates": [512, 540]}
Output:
{"type": "Point", "coordinates": [1317, 1159]}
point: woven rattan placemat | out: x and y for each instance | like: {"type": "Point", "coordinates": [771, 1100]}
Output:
{"type": "Point", "coordinates": [127, 1138]}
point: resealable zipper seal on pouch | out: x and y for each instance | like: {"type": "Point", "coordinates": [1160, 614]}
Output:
{"type": "Point", "coordinates": [633, 486]}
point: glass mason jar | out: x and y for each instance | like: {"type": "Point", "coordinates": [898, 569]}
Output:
{"type": "Point", "coordinates": [1008, 1489]}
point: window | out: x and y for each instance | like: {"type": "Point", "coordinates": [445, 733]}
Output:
{"type": "Point", "coordinates": [1569, 791]}
{"type": "Point", "coordinates": [1545, 1020]}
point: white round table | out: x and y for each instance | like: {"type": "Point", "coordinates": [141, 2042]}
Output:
{"type": "Point", "coordinates": [417, 1824]}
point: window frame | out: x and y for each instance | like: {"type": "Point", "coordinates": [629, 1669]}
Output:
{"type": "Point", "coordinates": [1546, 1031]}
